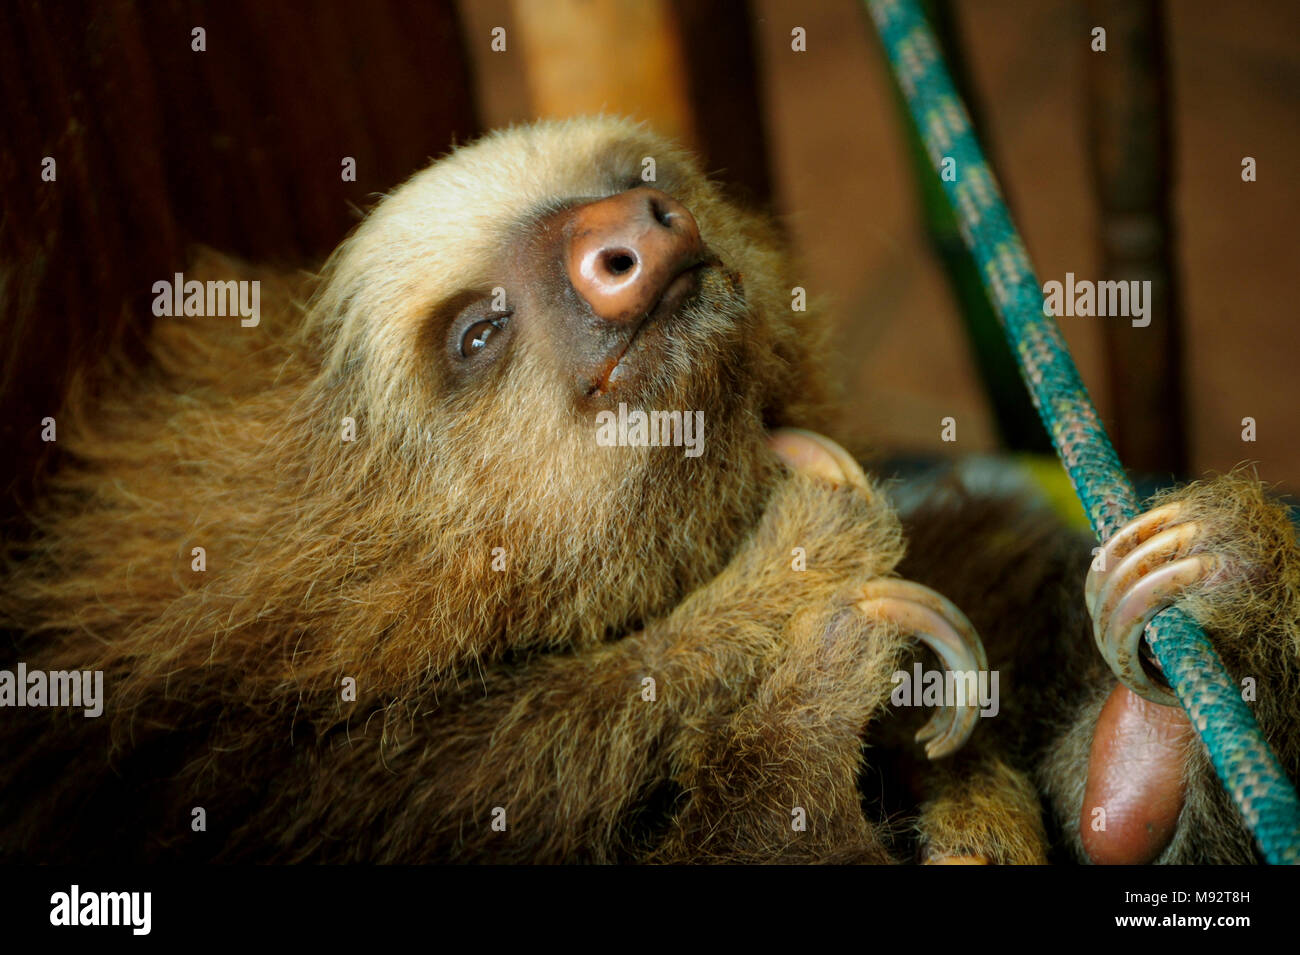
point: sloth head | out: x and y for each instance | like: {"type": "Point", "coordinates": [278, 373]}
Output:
{"type": "Point", "coordinates": [489, 310]}
{"type": "Point", "coordinates": [553, 271]}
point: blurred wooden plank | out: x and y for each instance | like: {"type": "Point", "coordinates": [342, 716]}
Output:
{"type": "Point", "coordinates": [606, 56]}
{"type": "Point", "coordinates": [725, 86]}
{"type": "Point", "coordinates": [160, 147]}
{"type": "Point", "coordinates": [1018, 424]}
{"type": "Point", "coordinates": [1129, 119]}
{"type": "Point", "coordinates": [688, 67]}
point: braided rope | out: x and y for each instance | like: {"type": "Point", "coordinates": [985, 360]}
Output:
{"type": "Point", "coordinates": [1246, 765]}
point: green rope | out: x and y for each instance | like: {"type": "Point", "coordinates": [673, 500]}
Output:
{"type": "Point", "coordinates": [1247, 767]}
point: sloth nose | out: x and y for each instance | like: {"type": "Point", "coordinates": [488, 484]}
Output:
{"type": "Point", "coordinates": [625, 251]}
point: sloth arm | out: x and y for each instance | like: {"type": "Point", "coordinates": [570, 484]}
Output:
{"type": "Point", "coordinates": [745, 746]}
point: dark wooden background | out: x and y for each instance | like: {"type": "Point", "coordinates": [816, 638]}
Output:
{"type": "Point", "coordinates": [160, 147]}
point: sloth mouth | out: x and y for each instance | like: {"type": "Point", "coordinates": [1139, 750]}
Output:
{"type": "Point", "coordinates": [683, 289]}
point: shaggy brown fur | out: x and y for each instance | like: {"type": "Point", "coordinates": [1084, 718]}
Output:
{"type": "Point", "coordinates": [525, 688]}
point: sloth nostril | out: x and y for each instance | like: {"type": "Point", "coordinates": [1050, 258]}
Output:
{"type": "Point", "coordinates": [662, 215]}
{"type": "Point", "coordinates": [620, 262]}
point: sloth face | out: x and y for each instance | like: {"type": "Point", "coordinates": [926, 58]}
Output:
{"type": "Point", "coordinates": [551, 272]}
{"type": "Point", "coordinates": [488, 313]}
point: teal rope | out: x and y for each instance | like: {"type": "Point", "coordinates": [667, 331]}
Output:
{"type": "Point", "coordinates": [1246, 765]}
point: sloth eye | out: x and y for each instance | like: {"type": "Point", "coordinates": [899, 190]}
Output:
{"type": "Point", "coordinates": [476, 338]}
{"type": "Point", "coordinates": [482, 335]}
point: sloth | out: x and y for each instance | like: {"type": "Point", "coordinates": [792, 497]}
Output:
{"type": "Point", "coordinates": [425, 566]}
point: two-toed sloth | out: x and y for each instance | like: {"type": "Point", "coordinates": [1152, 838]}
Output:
{"type": "Point", "coordinates": [377, 580]}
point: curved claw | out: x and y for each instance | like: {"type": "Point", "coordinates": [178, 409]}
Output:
{"type": "Point", "coordinates": [937, 623]}
{"type": "Point", "coordinates": [1122, 543]}
{"type": "Point", "coordinates": [1153, 593]}
{"type": "Point", "coordinates": [819, 456]}
{"type": "Point", "coordinates": [1147, 568]}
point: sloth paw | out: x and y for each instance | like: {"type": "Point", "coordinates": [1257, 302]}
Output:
{"type": "Point", "coordinates": [1221, 549]}
{"type": "Point", "coordinates": [912, 609]}
{"type": "Point", "coordinates": [1144, 568]}
{"type": "Point", "coordinates": [956, 860]}
{"type": "Point", "coordinates": [980, 811]}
